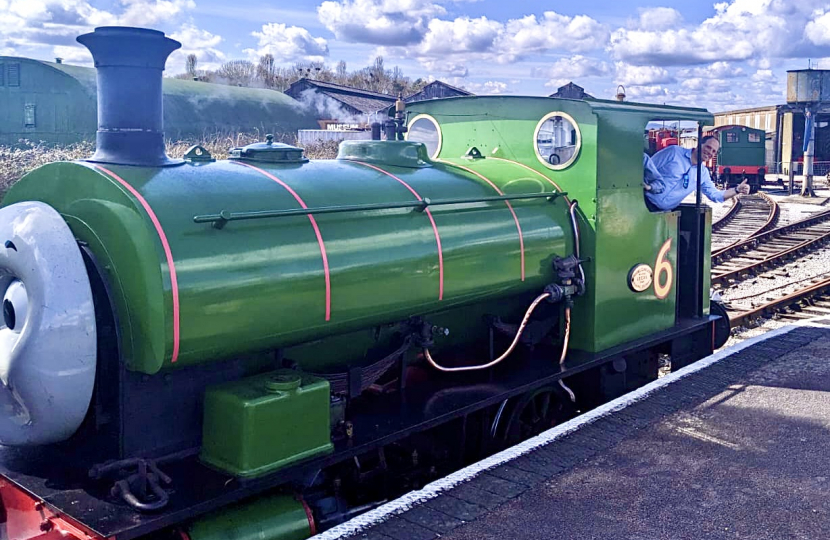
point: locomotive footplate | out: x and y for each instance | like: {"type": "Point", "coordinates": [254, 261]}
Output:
{"type": "Point", "coordinates": [377, 421]}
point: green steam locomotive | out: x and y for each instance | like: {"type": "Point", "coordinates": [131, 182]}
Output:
{"type": "Point", "coordinates": [265, 346]}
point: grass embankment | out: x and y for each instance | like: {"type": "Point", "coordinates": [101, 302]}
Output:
{"type": "Point", "coordinates": [17, 161]}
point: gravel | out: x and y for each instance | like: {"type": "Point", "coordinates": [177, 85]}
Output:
{"type": "Point", "coordinates": [785, 279]}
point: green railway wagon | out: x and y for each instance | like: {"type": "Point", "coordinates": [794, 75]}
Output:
{"type": "Point", "coordinates": [741, 156]}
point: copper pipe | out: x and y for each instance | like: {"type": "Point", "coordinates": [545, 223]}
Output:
{"type": "Point", "coordinates": [509, 350]}
{"type": "Point", "coordinates": [565, 352]}
{"type": "Point", "coordinates": [575, 226]}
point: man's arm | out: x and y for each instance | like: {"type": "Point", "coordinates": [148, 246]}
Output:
{"type": "Point", "coordinates": [740, 189]}
{"type": "Point", "coordinates": [714, 194]}
{"type": "Point", "coordinates": [652, 179]}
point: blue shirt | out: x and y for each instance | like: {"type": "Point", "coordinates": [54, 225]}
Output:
{"type": "Point", "coordinates": [652, 176]}
{"type": "Point", "coordinates": [673, 162]}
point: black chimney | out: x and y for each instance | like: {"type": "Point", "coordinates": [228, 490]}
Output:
{"type": "Point", "coordinates": [130, 124]}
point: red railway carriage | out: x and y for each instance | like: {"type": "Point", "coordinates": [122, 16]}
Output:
{"type": "Point", "coordinates": [661, 138]}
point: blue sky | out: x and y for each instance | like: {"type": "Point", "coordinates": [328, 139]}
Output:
{"type": "Point", "coordinates": [722, 55]}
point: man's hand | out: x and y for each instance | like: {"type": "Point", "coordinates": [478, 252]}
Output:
{"type": "Point", "coordinates": [742, 188]}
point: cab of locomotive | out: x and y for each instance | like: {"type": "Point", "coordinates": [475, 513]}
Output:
{"type": "Point", "coordinates": [646, 272]}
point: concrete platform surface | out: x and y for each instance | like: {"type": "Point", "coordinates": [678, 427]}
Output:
{"type": "Point", "coordinates": [735, 446]}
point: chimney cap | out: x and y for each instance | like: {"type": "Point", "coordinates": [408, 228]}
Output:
{"type": "Point", "coordinates": [117, 46]}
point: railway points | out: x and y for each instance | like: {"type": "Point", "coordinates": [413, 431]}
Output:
{"type": "Point", "coordinates": [775, 272]}
{"type": "Point", "coordinates": [729, 447]}
{"type": "Point", "coordinates": [747, 216]}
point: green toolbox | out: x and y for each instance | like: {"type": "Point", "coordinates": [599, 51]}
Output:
{"type": "Point", "coordinates": [260, 424]}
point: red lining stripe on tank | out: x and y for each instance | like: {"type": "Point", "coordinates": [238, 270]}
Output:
{"type": "Point", "coordinates": [509, 207]}
{"type": "Point", "coordinates": [174, 283]}
{"type": "Point", "coordinates": [531, 169]}
{"type": "Point", "coordinates": [313, 225]}
{"type": "Point", "coordinates": [431, 220]}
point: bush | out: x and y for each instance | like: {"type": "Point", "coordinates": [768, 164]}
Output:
{"type": "Point", "coordinates": [27, 155]}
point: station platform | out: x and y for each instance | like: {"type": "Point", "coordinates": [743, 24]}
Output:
{"type": "Point", "coordinates": [733, 446]}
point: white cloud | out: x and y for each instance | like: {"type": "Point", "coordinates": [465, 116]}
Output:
{"type": "Point", "coordinates": [573, 68]}
{"type": "Point", "coordinates": [199, 42]}
{"type": "Point", "coordinates": [738, 30]}
{"type": "Point", "coordinates": [463, 35]}
{"type": "Point", "coordinates": [641, 75]}
{"type": "Point", "coordinates": [675, 47]}
{"type": "Point", "coordinates": [710, 86]}
{"type": "Point", "coordinates": [818, 29]}
{"type": "Point", "coordinates": [481, 41]}
{"type": "Point", "coordinates": [54, 24]}
{"type": "Point", "coordinates": [446, 67]}
{"type": "Point", "coordinates": [73, 55]}
{"type": "Point", "coordinates": [554, 32]}
{"type": "Point", "coordinates": [760, 63]}
{"type": "Point", "coordinates": [145, 13]}
{"type": "Point", "coordinates": [487, 88]}
{"type": "Point", "coordinates": [647, 93]}
{"type": "Point", "coordinates": [764, 76]}
{"type": "Point", "coordinates": [717, 70]}
{"type": "Point", "coordinates": [659, 17]}
{"type": "Point", "coordinates": [287, 44]}
{"type": "Point", "coordinates": [379, 22]}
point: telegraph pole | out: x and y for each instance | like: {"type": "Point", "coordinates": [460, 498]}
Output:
{"type": "Point", "coordinates": [809, 152]}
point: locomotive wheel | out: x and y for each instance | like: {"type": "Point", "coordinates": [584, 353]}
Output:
{"type": "Point", "coordinates": [536, 412]}
{"type": "Point", "coordinates": [722, 328]}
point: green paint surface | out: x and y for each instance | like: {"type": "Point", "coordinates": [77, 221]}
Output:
{"type": "Point", "coordinates": [274, 517]}
{"type": "Point", "coordinates": [257, 285]}
{"type": "Point", "coordinates": [259, 424]}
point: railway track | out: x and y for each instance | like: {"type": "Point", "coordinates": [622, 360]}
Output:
{"type": "Point", "coordinates": [812, 300]}
{"type": "Point", "coordinates": [764, 253]}
{"type": "Point", "coordinates": [749, 216]}
{"type": "Point", "coordinates": [767, 250]}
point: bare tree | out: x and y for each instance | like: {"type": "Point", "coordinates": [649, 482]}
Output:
{"type": "Point", "coordinates": [267, 71]}
{"type": "Point", "coordinates": [268, 74]}
{"type": "Point", "coordinates": [341, 72]}
{"type": "Point", "coordinates": [237, 72]}
{"type": "Point", "coordinates": [379, 79]}
{"type": "Point", "coordinates": [191, 64]}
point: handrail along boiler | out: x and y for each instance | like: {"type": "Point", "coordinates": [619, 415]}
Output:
{"type": "Point", "coordinates": [268, 345]}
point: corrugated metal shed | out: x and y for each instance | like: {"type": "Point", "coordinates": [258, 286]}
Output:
{"type": "Point", "coordinates": [57, 103]}
{"type": "Point", "coordinates": [353, 101]}
{"type": "Point", "coordinates": [437, 90]}
{"type": "Point", "coordinates": [571, 91]}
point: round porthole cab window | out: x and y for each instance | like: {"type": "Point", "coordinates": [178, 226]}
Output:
{"type": "Point", "coordinates": [557, 140]}
{"type": "Point", "coordinates": [424, 129]}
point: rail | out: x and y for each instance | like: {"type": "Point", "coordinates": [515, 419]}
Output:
{"type": "Point", "coordinates": [748, 244]}
{"type": "Point", "coordinates": [741, 318]}
{"type": "Point", "coordinates": [748, 218]}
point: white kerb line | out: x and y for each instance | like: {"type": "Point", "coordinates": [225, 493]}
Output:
{"type": "Point", "coordinates": [433, 489]}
